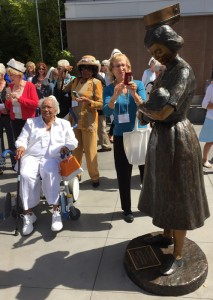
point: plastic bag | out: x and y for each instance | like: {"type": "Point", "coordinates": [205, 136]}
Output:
{"type": "Point", "coordinates": [135, 144]}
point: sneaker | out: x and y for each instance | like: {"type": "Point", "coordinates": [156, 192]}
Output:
{"type": "Point", "coordinates": [56, 221]}
{"type": "Point", "coordinates": [28, 221]}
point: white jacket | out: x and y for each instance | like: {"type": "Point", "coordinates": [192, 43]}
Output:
{"type": "Point", "coordinates": [61, 134]}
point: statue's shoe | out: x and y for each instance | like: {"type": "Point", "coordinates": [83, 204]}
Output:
{"type": "Point", "coordinates": [159, 239]}
{"type": "Point", "coordinates": [170, 265]}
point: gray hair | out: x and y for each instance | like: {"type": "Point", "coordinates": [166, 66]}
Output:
{"type": "Point", "coordinates": [2, 69]}
{"type": "Point", "coordinates": [54, 101]}
{"type": "Point", "coordinates": [157, 66]}
{"type": "Point", "coordinates": [63, 63]}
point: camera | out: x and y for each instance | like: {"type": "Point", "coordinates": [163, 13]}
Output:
{"type": "Point", "coordinates": [68, 68]}
{"type": "Point", "coordinates": [127, 78]}
{"type": "Point", "coordinates": [75, 94]}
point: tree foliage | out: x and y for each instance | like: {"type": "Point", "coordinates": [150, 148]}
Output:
{"type": "Point", "coordinates": [19, 31]}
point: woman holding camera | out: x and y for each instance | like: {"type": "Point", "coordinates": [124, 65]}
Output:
{"type": "Point", "coordinates": [122, 101]}
{"type": "Point", "coordinates": [89, 99]}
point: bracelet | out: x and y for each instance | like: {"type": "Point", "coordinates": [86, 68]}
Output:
{"type": "Point", "coordinates": [112, 102]}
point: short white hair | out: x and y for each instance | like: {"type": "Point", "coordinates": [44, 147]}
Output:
{"type": "Point", "coordinates": [2, 69]}
{"type": "Point", "coordinates": [54, 101]}
{"type": "Point", "coordinates": [105, 62]}
{"type": "Point", "coordinates": [63, 63]}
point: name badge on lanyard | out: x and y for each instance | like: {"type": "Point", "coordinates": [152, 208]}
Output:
{"type": "Point", "coordinates": [124, 118]}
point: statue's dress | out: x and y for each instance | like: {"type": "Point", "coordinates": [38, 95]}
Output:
{"type": "Point", "coordinates": [173, 192]}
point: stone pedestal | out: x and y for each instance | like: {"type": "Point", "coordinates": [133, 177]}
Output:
{"type": "Point", "coordinates": [185, 280]}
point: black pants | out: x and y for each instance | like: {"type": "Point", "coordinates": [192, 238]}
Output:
{"type": "Point", "coordinates": [5, 123]}
{"type": "Point", "coordinates": [124, 173]}
{"type": "Point", "coordinates": [111, 128]}
{"type": "Point", "coordinates": [17, 126]}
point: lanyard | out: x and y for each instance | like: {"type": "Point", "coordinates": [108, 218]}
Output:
{"type": "Point", "coordinates": [126, 98]}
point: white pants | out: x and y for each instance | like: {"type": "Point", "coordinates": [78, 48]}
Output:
{"type": "Point", "coordinates": [32, 168]}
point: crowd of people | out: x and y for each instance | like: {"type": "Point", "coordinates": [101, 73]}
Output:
{"type": "Point", "coordinates": [39, 107]}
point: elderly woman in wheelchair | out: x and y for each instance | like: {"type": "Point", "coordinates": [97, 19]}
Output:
{"type": "Point", "coordinates": [42, 141]}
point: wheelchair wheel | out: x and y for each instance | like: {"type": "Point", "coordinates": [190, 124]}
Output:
{"type": "Point", "coordinates": [73, 186]}
{"type": "Point", "coordinates": [14, 212]}
{"type": "Point", "coordinates": [74, 213]}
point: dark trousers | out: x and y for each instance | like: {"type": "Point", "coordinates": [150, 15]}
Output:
{"type": "Point", "coordinates": [5, 123]}
{"type": "Point", "coordinates": [124, 173]}
{"type": "Point", "coordinates": [17, 126]}
{"type": "Point", "coordinates": [111, 128]}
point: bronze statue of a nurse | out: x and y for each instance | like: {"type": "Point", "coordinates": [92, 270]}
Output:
{"type": "Point", "coordinates": [173, 192]}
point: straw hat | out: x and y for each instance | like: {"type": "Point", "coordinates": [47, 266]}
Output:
{"type": "Point", "coordinates": [88, 60]}
{"type": "Point", "coordinates": [16, 65]}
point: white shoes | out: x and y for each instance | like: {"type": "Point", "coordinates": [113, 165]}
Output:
{"type": "Point", "coordinates": [207, 164]}
{"type": "Point", "coordinates": [28, 221]}
{"type": "Point", "coordinates": [56, 221]}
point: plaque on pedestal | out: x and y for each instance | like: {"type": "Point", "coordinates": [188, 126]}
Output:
{"type": "Point", "coordinates": [143, 257]}
{"type": "Point", "coordinates": [144, 273]}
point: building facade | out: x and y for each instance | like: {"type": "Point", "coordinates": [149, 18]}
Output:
{"type": "Point", "coordinates": [97, 27]}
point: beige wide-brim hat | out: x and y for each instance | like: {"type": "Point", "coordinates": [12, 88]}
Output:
{"type": "Point", "coordinates": [16, 65]}
{"type": "Point", "coordinates": [88, 60]}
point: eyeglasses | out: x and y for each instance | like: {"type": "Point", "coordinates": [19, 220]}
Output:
{"type": "Point", "coordinates": [41, 69]}
{"type": "Point", "coordinates": [119, 65]}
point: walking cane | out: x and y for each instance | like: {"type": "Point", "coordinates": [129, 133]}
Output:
{"type": "Point", "coordinates": [17, 198]}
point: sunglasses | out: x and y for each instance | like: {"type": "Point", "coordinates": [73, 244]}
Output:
{"type": "Point", "coordinates": [41, 69]}
{"type": "Point", "coordinates": [89, 68]}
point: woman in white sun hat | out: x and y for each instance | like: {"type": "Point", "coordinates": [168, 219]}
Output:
{"type": "Point", "coordinates": [21, 98]}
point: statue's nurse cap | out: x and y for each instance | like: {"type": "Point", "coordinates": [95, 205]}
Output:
{"type": "Point", "coordinates": [166, 16]}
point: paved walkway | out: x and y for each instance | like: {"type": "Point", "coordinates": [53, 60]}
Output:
{"type": "Point", "coordinates": [85, 260]}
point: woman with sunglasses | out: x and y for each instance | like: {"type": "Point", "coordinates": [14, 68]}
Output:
{"type": "Point", "coordinates": [42, 84]}
{"type": "Point", "coordinates": [85, 104]}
